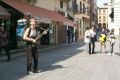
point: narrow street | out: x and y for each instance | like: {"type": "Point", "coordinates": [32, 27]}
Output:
{"type": "Point", "coordinates": [67, 62]}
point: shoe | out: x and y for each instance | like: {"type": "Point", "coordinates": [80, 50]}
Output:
{"type": "Point", "coordinates": [30, 73]}
{"type": "Point", "coordinates": [93, 53]}
{"type": "Point", "coordinates": [37, 71]}
{"type": "Point", "coordinates": [110, 54]}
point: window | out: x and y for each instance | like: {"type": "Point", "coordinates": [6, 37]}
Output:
{"type": "Point", "coordinates": [84, 8]}
{"type": "Point", "coordinates": [74, 6]}
{"type": "Point", "coordinates": [103, 18]}
{"type": "Point", "coordinates": [61, 4]}
{"type": "Point", "coordinates": [99, 12]}
{"type": "Point", "coordinates": [99, 18]}
{"type": "Point", "coordinates": [88, 11]}
{"type": "Point", "coordinates": [103, 12]}
{"type": "Point", "coordinates": [80, 7]}
{"type": "Point", "coordinates": [112, 1]}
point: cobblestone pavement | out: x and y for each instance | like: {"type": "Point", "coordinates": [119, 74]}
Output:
{"type": "Point", "coordinates": [67, 62]}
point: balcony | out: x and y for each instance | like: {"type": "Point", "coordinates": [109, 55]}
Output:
{"type": "Point", "coordinates": [62, 12]}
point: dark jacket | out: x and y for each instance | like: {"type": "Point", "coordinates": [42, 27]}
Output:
{"type": "Point", "coordinates": [3, 38]}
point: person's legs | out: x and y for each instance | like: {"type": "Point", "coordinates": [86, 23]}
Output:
{"type": "Point", "coordinates": [111, 49]}
{"type": "Point", "coordinates": [101, 47]}
{"type": "Point", "coordinates": [35, 58]}
{"type": "Point", "coordinates": [89, 48]}
{"type": "Point", "coordinates": [6, 48]}
{"type": "Point", "coordinates": [68, 39]}
{"type": "Point", "coordinates": [105, 47]}
{"type": "Point", "coordinates": [72, 37]}
{"type": "Point", "coordinates": [93, 47]}
{"type": "Point", "coordinates": [29, 58]}
{"type": "Point", "coordinates": [76, 38]}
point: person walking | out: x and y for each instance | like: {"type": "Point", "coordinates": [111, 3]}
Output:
{"type": "Point", "coordinates": [4, 42]}
{"type": "Point", "coordinates": [87, 40]}
{"type": "Point", "coordinates": [72, 34]}
{"type": "Point", "coordinates": [112, 41]}
{"type": "Point", "coordinates": [93, 39]}
{"type": "Point", "coordinates": [102, 40]}
{"type": "Point", "coordinates": [29, 37]}
{"type": "Point", "coordinates": [69, 35]}
{"type": "Point", "coordinates": [76, 35]}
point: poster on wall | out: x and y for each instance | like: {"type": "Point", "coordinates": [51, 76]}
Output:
{"type": "Point", "coordinates": [20, 30]}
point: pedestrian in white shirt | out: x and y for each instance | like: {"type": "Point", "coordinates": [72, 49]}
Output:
{"type": "Point", "coordinates": [93, 39]}
{"type": "Point", "coordinates": [87, 40]}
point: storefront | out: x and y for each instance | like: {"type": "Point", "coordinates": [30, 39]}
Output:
{"type": "Point", "coordinates": [4, 16]}
{"type": "Point", "coordinates": [46, 18]}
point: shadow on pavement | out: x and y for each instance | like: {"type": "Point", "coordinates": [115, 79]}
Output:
{"type": "Point", "coordinates": [48, 60]}
{"type": "Point", "coordinates": [118, 54]}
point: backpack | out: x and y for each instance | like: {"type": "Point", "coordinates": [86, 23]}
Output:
{"type": "Point", "coordinates": [102, 39]}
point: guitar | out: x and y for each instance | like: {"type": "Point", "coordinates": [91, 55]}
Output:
{"type": "Point", "coordinates": [39, 36]}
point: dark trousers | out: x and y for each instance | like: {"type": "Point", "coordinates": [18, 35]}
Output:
{"type": "Point", "coordinates": [6, 49]}
{"type": "Point", "coordinates": [92, 47]}
{"type": "Point", "coordinates": [32, 55]}
{"type": "Point", "coordinates": [72, 37]}
{"type": "Point", "coordinates": [111, 48]}
{"type": "Point", "coordinates": [93, 39]}
{"type": "Point", "coordinates": [76, 38]}
{"type": "Point", "coordinates": [69, 40]}
{"type": "Point", "coordinates": [89, 48]}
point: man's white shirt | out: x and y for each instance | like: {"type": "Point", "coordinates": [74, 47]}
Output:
{"type": "Point", "coordinates": [92, 33]}
{"type": "Point", "coordinates": [87, 38]}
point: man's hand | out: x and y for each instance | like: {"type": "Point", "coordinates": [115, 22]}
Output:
{"type": "Point", "coordinates": [45, 32]}
{"type": "Point", "coordinates": [34, 41]}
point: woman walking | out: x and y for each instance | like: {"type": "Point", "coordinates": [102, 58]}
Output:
{"type": "Point", "coordinates": [112, 41]}
{"type": "Point", "coordinates": [102, 40]}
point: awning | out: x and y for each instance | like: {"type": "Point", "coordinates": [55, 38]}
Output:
{"type": "Point", "coordinates": [4, 14]}
{"type": "Point", "coordinates": [37, 11]}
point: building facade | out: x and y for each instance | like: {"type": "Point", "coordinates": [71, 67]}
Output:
{"type": "Point", "coordinates": [110, 14]}
{"type": "Point", "coordinates": [93, 13]}
{"type": "Point", "coordinates": [82, 16]}
{"type": "Point", "coordinates": [102, 17]}
{"type": "Point", "coordinates": [61, 7]}
{"type": "Point", "coordinates": [56, 23]}
{"type": "Point", "coordinates": [64, 7]}
{"type": "Point", "coordinates": [86, 15]}
{"type": "Point", "coordinates": [114, 15]}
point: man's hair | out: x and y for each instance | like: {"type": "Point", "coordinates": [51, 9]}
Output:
{"type": "Point", "coordinates": [87, 28]}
